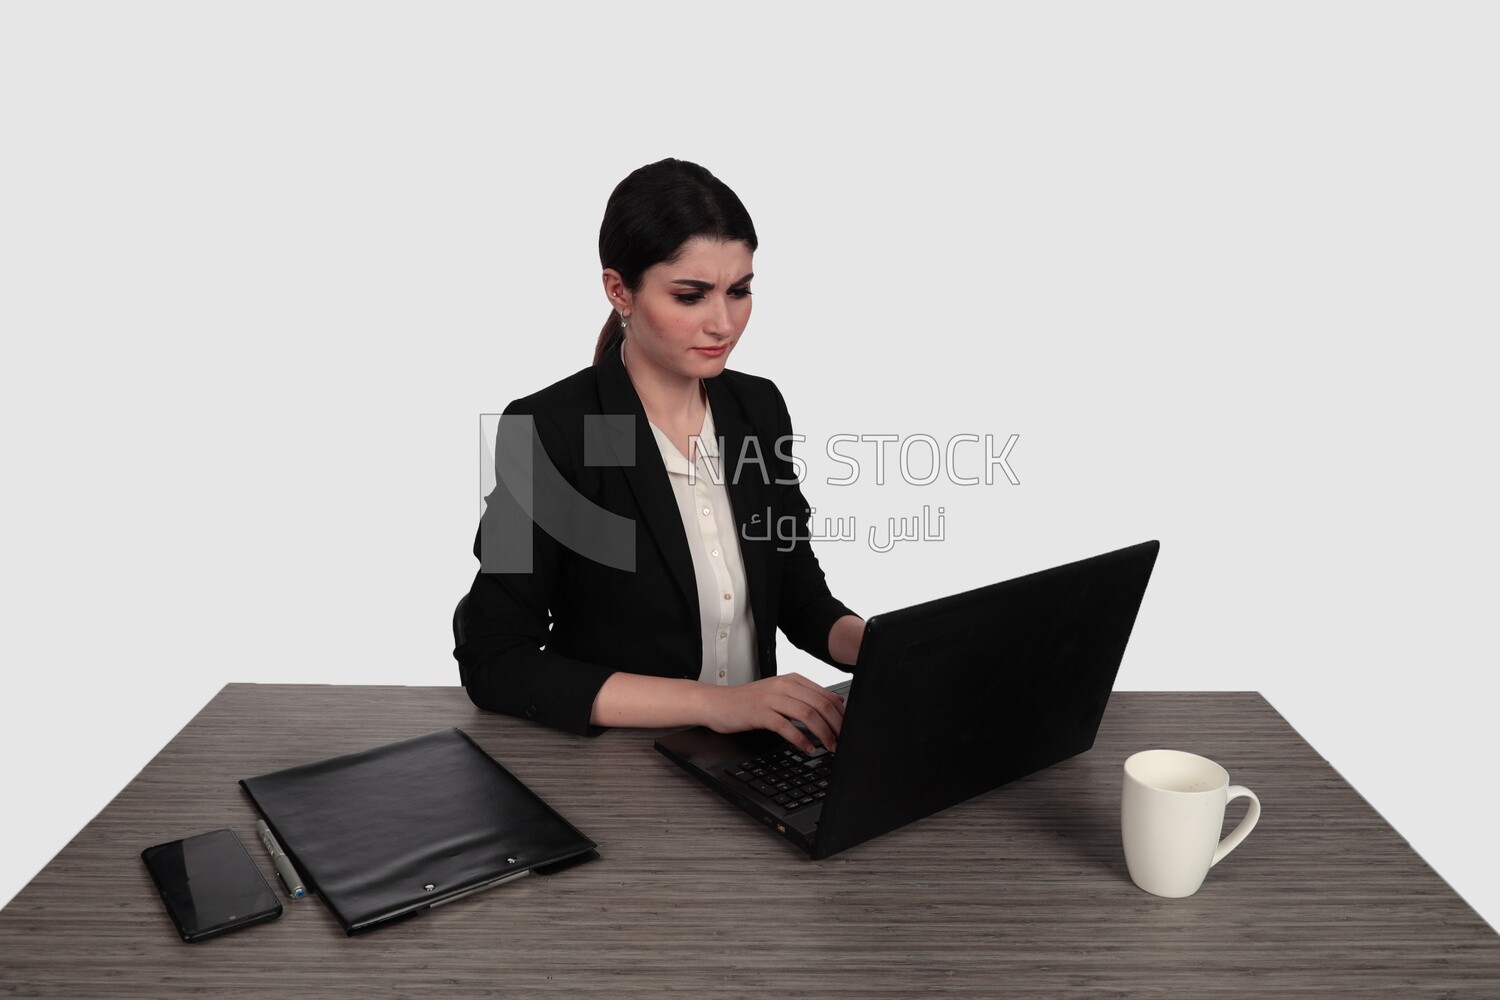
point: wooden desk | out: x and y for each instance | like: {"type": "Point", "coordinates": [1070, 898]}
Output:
{"type": "Point", "coordinates": [1022, 892]}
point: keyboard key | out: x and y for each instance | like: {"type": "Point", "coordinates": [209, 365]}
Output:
{"type": "Point", "coordinates": [791, 778]}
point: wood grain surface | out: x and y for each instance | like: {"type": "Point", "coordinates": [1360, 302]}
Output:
{"type": "Point", "coordinates": [1021, 892]}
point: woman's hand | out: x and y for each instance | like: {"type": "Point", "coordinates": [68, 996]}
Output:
{"type": "Point", "coordinates": [773, 703]}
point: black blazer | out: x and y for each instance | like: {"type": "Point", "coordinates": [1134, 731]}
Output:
{"type": "Point", "coordinates": [645, 620]}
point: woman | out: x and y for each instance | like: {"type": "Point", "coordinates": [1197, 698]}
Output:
{"type": "Point", "coordinates": [693, 472]}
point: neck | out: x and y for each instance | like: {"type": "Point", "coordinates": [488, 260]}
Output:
{"type": "Point", "coordinates": [668, 397]}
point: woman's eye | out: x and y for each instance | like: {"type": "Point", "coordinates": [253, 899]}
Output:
{"type": "Point", "coordinates": [689, 298]}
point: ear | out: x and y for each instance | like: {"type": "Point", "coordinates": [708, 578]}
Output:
{"type": "Point", "coordinates": [614, 289]}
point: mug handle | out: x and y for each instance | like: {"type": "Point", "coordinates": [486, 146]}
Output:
{"type": "Point", "coordinates": [1252, 816]}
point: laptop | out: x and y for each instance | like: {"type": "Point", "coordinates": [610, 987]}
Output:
{"type": "Point", "coordinates": [956, 697]}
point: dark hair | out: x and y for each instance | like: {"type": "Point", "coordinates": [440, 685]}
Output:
{"type": "Point", "coordinates": [652, 213]}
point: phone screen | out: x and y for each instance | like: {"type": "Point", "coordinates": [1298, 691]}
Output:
{"type": "Point", "coordinates": [210, 884]}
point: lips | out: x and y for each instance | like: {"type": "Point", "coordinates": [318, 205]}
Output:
{"type": "Point", "coordinates": [712, 352]}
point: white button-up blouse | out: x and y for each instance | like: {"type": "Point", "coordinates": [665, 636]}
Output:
{"type": "Point", "coordinates": [728, 631]}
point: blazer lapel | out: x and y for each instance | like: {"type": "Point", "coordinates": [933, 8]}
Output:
{"type": "Point", "coordinates": [640, 460]}
{"type": "Point", "coordinates": [749, 495]}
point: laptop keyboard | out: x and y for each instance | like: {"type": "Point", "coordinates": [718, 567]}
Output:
{"type": "Point", "coordinates": [791, 778]}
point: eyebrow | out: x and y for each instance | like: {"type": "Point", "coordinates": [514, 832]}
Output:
{"type": "Point", "coordinates": [708, 286]}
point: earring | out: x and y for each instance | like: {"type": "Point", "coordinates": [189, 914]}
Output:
{"type": "Point", "coordinates": [624, 323]}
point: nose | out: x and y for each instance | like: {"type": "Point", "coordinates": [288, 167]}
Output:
{"type": "Point", "coordinates": [718, 323]}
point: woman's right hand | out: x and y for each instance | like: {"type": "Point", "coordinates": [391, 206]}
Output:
{"type": "Point", "coordinates": [773, 703]}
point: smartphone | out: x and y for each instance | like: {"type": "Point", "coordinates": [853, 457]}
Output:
{"type": "Point", "coordinates": [210, 884]}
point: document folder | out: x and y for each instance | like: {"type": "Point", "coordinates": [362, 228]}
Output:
{"type": "Point", "coordinates": [385, 833]}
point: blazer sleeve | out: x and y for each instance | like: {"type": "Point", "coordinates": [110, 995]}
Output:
{"type": "Point", "coordinates": [807, 609]}
{"type": "Point", "coordinates": [504, 621]}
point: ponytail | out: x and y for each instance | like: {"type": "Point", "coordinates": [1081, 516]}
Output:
{"type": "Point", "coordinates": [609, 338]}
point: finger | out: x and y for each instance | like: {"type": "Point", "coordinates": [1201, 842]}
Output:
{"type": "Point", "coordinates": [825, 730]}
{"type": "Point", "coordinates": [828, 704]}
{"type": "Point", "coordinates": [827, 696]}
{"type": "Point", "coordinates": [828, 708]}
{"type": "Point", "coordinates": [782, 726]}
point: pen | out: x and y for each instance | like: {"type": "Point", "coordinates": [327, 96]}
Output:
{"type": "Point", "coordinates": [289, 876]}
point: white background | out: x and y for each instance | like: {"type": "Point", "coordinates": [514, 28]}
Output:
{"type": "Point", "coordinates": [1229, 272]}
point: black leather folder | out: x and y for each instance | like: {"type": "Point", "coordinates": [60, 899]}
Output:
{"type": "Point", "coordinates": [385, 833]}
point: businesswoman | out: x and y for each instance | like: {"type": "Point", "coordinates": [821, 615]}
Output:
{"type": "Point", "coordinates": [647, 535]}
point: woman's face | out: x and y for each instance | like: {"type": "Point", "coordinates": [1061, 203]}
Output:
{"type": "Point", "coordinates": [687, 316]}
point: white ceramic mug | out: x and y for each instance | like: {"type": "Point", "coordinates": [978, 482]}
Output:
{"type": "Point", "coordinates": [1171, 812]}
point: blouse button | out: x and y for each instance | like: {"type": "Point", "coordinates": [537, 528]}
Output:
{"type": "Point", "coordinates": [723, 635]}
{"type": "Point", "coordinates": [707, 511]}
{"type": "Point", "coordinates": [716, 552]}
{"type": "Point", "coordinates": [728, 597]}
{"type": "Point", "coordinates": [721, 673]}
